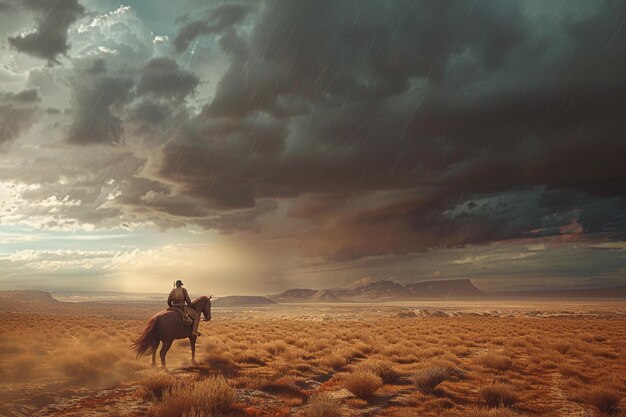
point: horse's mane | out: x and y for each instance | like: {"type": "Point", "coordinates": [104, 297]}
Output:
{"type": "Point", "coordinates": [197, 300]}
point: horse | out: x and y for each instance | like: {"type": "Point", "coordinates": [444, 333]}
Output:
{"type": "Point", "coordinates": [167, 325]}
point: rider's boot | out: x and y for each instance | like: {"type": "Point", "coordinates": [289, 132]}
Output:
{"type": "Point", "coordinates": [194, 330]}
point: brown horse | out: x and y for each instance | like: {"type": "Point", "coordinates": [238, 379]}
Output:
{"type": "Point", "coordinates": [167, 325]}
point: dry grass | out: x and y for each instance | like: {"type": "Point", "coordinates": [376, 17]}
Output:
{"type": "Point", "coordinates": [499, 395]}
{"type": "Point", "coordinates": [384, 369]}
{"type": "Point", "coordinates": [363, 384]}
{"type": "Point", "coordinates": [334, 361]}
{"type": "Point", "coordinates": [496, 361]}
{"type": "Point", "coordinates": [288, 356]}
{"type": "Point", "coordinates": [563, 347]}
{"type": "Point", "coordinates": [322, 405]}
{"type": "Point", "coordinates": [156, 383]}
{"type": "Point", "coordinates": [217, 363]}
{"type": "Point", "coordinates": [209, 397]}
{"type": "Point", "coordinates": [428, 378]}
{"type": "Point", "coordinates": [604, 397]}
{"type": "Point", "coordinates": [571, 371]}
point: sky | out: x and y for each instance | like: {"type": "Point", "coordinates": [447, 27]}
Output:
{"type": "Point", "coordinates": [251, 147]}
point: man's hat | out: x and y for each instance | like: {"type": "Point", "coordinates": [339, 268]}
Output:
{"type": "Point", "coordinates": [179, 282]}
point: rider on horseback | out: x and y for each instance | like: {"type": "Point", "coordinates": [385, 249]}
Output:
{"type": "Point", "coordinates": [179, 298]}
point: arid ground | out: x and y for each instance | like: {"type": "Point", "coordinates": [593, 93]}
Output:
{"type": "Point", "coordinates": [502, 358]}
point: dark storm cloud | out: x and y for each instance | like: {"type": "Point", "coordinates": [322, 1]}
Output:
{"type": "Point", "coordinates": [145, 100]}
{"type": "Point", "coordinates": [18, 112]}
{"type": "Point", "coordinates": [393, 126]}
{"type": "Point", "coordinates": [5, 6]}
{"type": "Point", "coordinates": [452, 102]}
{"type": "Point", "coordinates": [216, 20]}
{"type": "Point", "coordinates": [97, 100]}
{"type": "Point", "coordinates": [162, 77]}
{"type": "Point", "coordinates": [49, 38]}
{"type": "Point", "coordinates": [149, 112]}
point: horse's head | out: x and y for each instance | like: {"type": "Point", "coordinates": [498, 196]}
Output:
{"type": "Point", "coordinates": [207, 309]}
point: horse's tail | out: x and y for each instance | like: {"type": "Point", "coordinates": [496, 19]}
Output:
{"type": "Point", "coordinates": [148, 340]}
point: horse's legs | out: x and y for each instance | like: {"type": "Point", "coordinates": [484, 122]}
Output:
{"type": "Point", "coordinates": [192, 342]}
{"type": "Point", "coordinates": [166, 346]}
{"type": "Point", "coordinates": [154, 349]}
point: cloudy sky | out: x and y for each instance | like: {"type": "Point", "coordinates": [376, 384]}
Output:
{"type": "Point", "coordinates": [250, 147]}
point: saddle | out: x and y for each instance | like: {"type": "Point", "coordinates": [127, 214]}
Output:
{"type": "Point", "coordinates": [184, 315]}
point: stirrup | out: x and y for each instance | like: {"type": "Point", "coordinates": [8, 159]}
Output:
{"type": "Point", "coordinates": [196, 333]}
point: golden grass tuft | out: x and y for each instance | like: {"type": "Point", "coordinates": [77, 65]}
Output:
{"type": "Point", "coordinates": [384, 369]}
{"type": "Point", "coordinates": [155, 383]}
{"type": "Point", "coordinates": [604, 397]}
{"type": "Point", "coordinates": [334, 361]}
{"type": "Point", "coordinates": [208, 397]}
{"type": "Point", "coordinates": [499, 395]}
{"type": "Point", "coordinates": [322, 405]}
{"type": "Point", "coordinates": [217, 363]}
{"type": "Point", "coordinates": [563, 347]}
{"type": "Point", "coordinates": [363, 384]}
{"type": "Point", "coordinates": [496, 361]}
{"type": "Point", "coordinates": [572, 372]}
{"type": "Point", "coordinates": [428, 378]}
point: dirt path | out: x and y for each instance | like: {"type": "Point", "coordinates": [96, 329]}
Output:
{"type": "Point", "coordinates": [561, 403]}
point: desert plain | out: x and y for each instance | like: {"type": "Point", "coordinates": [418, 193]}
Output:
{"type": "Point", "coordinates": [413, 358]}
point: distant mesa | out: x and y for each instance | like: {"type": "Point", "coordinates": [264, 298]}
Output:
{"type": "Point", "coordinates": [383, 290]}
{"type": "Point", "coordinates": [325, 296]}
{"type": "Point", "coordinates": [455, 288]}
{"type": "Point", "coordinates": [28, 295]}
{"type": "Point", "coordinates": [295, 295]}
{"type": "Point", "coordinates": [367, 290]}
{"type": "Point", "coordinates": [242, 301]}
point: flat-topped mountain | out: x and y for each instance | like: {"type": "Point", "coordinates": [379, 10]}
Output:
{"type": "Point", "coordinates": [383, 290]}
{"type": "Point", "coordinates": [377, 290]}
{"type": "Point", "coordinates": [294, 295]}
{"type": "Point", "coordinates": [455, 288]}
{"type": "Point", "coordinates": [241, 301]}
{"type": "Point", "coordinates": [28, 295]}
{"type": "Point", "coordinates": [387, 290]}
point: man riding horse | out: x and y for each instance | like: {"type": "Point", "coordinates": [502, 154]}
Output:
{"type": "Point", "coordinates": [168, 325]}
{"type": "Point", "coordinates": [179, 298]}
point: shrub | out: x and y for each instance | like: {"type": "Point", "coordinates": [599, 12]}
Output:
{"type": "Point", "coordinates": [276, 347]}
{"type": "Point", "coordinates": [284, 385]}
{"type": "Point", "coordinates": [563, 347]}
{"type": "Point", "coordinates": [496, 361]}
{"type": "Point", "coordinates": [570, 371]}
{"type": "Point", "coordinates": [218, 363]}
{"type": "Point", "coordinates": [251, 358]}
{"type": "Point", "coordinates": [156, 383]}
{"type": "Point", "coordinates": [334, 361]}
{"type": "Point", "coordinates": [363, 384]}
{"type": "Point", "coordinates": [384, 369]}
{"type": "Point", "coordinates": [321, 405]}
{"type": "Point", "coordinates": [427, 379]}
{"type": "Point", "coordinates": [499, 395]}
{"type": "Point", "coordinates": [604, 398]}
{"type": "Point", "coordinates": [208, 397]}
